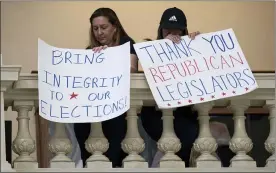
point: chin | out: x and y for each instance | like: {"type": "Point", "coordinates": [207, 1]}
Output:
{"type": "Point", "coordinates": [103, 42]}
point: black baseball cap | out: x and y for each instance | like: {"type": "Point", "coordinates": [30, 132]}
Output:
{"type": "Point", "coordinates": [173, 18]}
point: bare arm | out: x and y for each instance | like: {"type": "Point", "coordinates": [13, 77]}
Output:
{"type": "Point", "coordinates": [133, 63]}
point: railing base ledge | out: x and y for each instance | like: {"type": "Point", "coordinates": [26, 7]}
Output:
{"type": "Point", "coordinates": [213, 170]}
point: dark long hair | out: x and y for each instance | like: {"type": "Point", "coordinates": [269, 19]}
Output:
{"type": "Point", "coordinates": [160, 35]}
{"type": "Point", "coordinates": [113, 19]}
{"type": "Point", "coordinates": [147, 39]}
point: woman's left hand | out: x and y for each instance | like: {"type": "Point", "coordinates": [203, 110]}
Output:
{"type": "Point", "coordinates": [193, 35]}
{"type": "Point", "coordinates": [98, 49]}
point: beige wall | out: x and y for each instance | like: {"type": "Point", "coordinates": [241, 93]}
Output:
{"type": "Point", "coordinates": [66, 24]}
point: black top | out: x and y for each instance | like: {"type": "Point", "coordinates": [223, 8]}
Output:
{"type": "Point", "coordinates": [124, 40]}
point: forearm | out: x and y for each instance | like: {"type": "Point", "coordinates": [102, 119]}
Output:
{"type": "Point", "coordinates": [133, 69]}
{"type": "Point", "coordinates": [134, 64]}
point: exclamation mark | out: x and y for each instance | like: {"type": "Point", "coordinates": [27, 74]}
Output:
{"type": "Point", "coordinates": [50, 110]}
{"type": "Point", "coordinates": [126, 101]}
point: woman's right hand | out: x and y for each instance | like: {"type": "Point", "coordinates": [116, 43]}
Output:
{"type": "Point", "coordinates": [174, 38]}
{"type": "Point", "coordinates": [98, 49]}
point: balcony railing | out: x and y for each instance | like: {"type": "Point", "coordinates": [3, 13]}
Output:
{"type": "Point", "coordinates": [20, 91]}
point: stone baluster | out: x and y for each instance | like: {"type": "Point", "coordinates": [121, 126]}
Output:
{"type": "Point", "coordinates": [133, 144]}
{"type": "Point", "coordinates": [5, 166]}
{"type": "Point", "coordinates": [205, 144]}
{"type": "Point", "coordinates": [9, 75]}
{"type": "Point", "coordinates": [271, 140]}
{"type": "Point", "coordinates": [23, 144]}
{"type": "Point", "coordinates": [169, 143]}
{"type": "Point", "coordinates": [240, 143]}
{"type": "Point", "coordinates": [97, 145]}
{"type": "Point", "coordinates": [60, 145]}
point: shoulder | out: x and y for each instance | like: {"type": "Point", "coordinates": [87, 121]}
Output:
{"type": "Point", "coordinates": [126, 39]}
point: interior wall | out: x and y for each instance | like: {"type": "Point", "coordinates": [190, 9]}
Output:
{"type": "Point", "coordinates": [66, 24]}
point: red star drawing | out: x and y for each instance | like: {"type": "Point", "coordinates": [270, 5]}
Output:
{"type": "Point", "coordinates": [246, 89]}
{"type": "Point", "coordinates": [179, 102]}
{"type": "Point", "coordinates": [201, 99]}
{"type": "Point", "coordinates": [213, 96]}
{"type": "Point", "coordinates": [73, 95]}
{"type": "Point", "coordinates": [190, 101]}
{"type": "Point", "coordinates": [234, 92]}
{"type": "Point", "coordinates": [169, 104]}
{"type": "Point", "coordinates": [223, 94]}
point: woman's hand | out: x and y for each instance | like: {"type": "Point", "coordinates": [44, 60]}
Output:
{"type": "Point", "coordinates": [98, 49]}
{"type": "Point", "coordinates": [193, 35]}
{"type": "Point", "coordinates": [174, 38]}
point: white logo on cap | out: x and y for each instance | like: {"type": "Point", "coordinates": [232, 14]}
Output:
{"type": "Point", "coordinates": [173, 18]}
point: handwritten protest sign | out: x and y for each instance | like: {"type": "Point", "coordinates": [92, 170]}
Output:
{"type": "Point", "coordinates": [78, 85]}
{"type": "Point", "coordinates": [208, 68]}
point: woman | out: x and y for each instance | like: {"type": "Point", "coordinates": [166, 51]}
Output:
{"type": "Point", "coordinates": [172, 26]}
{"type": "Point", "coordinates": [107, 31]}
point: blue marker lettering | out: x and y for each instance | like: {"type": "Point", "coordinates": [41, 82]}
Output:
{"type": "Point", "coordinates": [63, 113]}
{"type": "Point", "coordinates": [46, 78]}
{"type": "Point", "coordinates": [161, 94]}
{"type": "Point", "coordinates": [247, 75]}
{"type": "Point", "coordinates": [210, 41]}
{"type": "Point", "coordinates": [238, 78]}
{"type": "Point", "coordinates": [228, 47]}
{"type": "Point", "coordinates": [104, 110]}
{"type": "Point", "coordinates": [68, 55]}
{"type": "Point", "coordinates": [56, 54]}
{"type": "Point", "coordinates": [170, 92]}
{"type": "Point", "coordinates": [189, 48]}
{"type": "Point", "coordinates": [98, 113]}
{"type": "Point", "coordinates": [73, 112]}
{"type": "Point", "coordinates": [78, 59]}
{"type": "Point", "coordinates": [171, 51]}
{"type": "Point", "coordinates": [192, 83]}
{"type": "Point", "coordinates": [221, 45]}
{"type": "Point", "coordinates": [161, 53]}
{"type": "Point", "coordinates": [147, 51]}
{"type": "Point", "coordinates": [186, 95]}
{"type": "Point", "coordinates": [216, 84]}
{"type": "Point", "coordinates": [87, 110]}
{"type": "Point", "coordinates": [76, 82]}
{"type": "Point", "coordinates": [42, 107]}
{"type": "Point", "coordinates": [228, 76]}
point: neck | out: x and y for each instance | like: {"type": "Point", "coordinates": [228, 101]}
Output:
{"type": "Point", "coordinates": [111, 44]}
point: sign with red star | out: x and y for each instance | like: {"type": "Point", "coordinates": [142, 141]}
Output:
{"type": "Point", "coordinates": [75, 87]}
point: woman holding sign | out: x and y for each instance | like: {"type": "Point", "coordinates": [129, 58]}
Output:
{"type": "Point", "coordinates": [107, 31]}
{"type": "Point", "coordinates": [173, 26]}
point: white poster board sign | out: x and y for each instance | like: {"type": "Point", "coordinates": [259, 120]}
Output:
{"type": "Point", "coordinates": [78, 86]}
{"type": "Point", "coordinates": [210, 67]}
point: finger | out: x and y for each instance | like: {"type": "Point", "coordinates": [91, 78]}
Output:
{"type": "Point", "coordinates": [95, 49]}
{"type": "Point", "coordinates": [169, 37]}
{"type": "Point", "coordinates": [178, 38]}
{"type": "Point", "coordinates": [193, 36]}
{"type": "Point", "coordinates": [100, 48]}
{"type": "Point", "coordinates": [172, 39]}
{"type": "Point", "coordinates": [105, 46]}
{"type": "Point", "coordinates": [175, 40]}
